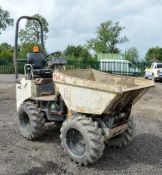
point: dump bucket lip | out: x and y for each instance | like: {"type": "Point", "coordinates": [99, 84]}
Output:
{"type": "Point", "coordinates": [138, 87]}
{"type": "Point", "coordinates": [62, 78]}
{"type": "Point", "coordinates": [59, 77]}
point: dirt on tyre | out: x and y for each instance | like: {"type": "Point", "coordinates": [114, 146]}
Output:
{"type": "Point", "coordinates": [31, 121]}
{"type": "Point", "coordinates": [82, 139]}
{"type": "Point", "coordinates": [124, 138]}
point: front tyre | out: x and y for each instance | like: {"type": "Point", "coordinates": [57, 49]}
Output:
{"type": "Point", "coordinates": [82, 139]}
{"type": "Point", "coordinates": [31, 121]}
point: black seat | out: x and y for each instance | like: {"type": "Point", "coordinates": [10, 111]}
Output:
{"type": "Point", "coordinates": [38, 62]}
{"type": "Point", "coordinates": [44, 73]}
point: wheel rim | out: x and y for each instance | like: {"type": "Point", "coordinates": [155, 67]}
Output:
{"type": "Point", "coordinates": [75, 142]}
{"type": "Point", "coordinates": [25, 121]}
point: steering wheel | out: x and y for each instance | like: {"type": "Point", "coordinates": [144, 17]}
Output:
{"type": "Point", "coordinates": [53, 54]}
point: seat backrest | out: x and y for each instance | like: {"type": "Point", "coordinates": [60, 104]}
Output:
{"type": "Point", "coordinates": [37, 60]}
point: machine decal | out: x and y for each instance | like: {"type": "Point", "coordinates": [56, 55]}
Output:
{"type": "Point", "coordinates": [58, 77]}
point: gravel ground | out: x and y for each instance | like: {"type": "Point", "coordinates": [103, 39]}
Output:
{"type": "Point", "coordinates": [46, 156]}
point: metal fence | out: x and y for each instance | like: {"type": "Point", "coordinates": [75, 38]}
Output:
{"type": "Point", "coordinates": [113, 67]}
{"type": "Point", "coordinates": [7, 69]}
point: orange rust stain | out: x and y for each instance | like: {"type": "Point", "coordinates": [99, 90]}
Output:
{"type": "Point", "coordinates": [69, 115]}
{"type": "Point", "coordinates": [83, 110]}
{"type": "Point", "coordinates": [117, 129]}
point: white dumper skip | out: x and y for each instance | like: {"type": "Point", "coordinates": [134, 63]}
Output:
{"type": "Point", "coordinates": [94, 92]}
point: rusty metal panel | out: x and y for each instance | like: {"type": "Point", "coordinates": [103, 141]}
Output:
{"type": "Point", "coordinates": [116, 131]}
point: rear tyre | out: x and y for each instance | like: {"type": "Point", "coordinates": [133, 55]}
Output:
{"type": "Point", "coordinates": [31, 121]}
{"type": "Point", "coordinates": [82, 139]}
{"type": "Point", "coordinates": [124, 138]}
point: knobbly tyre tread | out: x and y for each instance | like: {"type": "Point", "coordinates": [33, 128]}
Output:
{"type": "Point", "coordinates": [37, 121]}
{"type": "Point", "coordinates": [124, 138]}
{"type": "Point", "coordinates": [92, 135]}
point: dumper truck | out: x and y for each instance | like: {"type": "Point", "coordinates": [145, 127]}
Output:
{"type": "Point", "coordinates": [91, 107]}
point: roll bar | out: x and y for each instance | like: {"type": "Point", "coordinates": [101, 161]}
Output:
{"type": "Point", "coordinates": [16, 41]}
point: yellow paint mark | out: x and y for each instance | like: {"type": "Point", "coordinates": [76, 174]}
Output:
{"type": "Point", "coordinates": [69, 115]}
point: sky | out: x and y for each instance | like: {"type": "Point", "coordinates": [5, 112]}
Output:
{"type": "Point", "coordinates": [75, 21]}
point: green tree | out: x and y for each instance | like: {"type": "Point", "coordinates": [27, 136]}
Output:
{"type": "Point", "coordinates": [6, 53]}
{"type": "Point", "coordinates": [78, 53]}
{"type": "Point", "coordinates": [154, 53]}
{"type": "Point", "coordinates": [132, 54]}
{"type": "Point", "coordinates": [73, 51]}
{"type": "Point", "coordinates": [5, 20]}
{"type": "Point", "coordinates": [31, 32]}
{"type": "Point", "coordinates": [108, 38]}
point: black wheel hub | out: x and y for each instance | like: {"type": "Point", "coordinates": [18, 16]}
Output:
{"type": "Point", "coordinates": [75, 142]}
